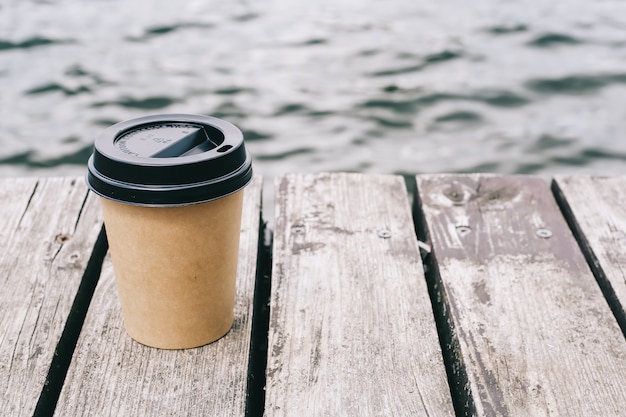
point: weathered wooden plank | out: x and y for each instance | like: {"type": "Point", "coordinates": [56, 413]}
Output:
{"type": "Point", "coordinates": [112, 375]}
{"type": "Point", "coordinates": [595, 210]}
{"type": "Point", "coordinates": [531, 329]}
{"type": "Point", "coordinates": [351, 325]}
{"type": "Point", "coordinates": [48, 227]}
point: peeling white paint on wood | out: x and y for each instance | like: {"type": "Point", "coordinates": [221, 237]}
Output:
{"type": "Point", "coordinates": [352, 331]}
{"type": "Point", "coordinates": [48, 227]}
{"type": "Point", "coordinates": [535, 335]}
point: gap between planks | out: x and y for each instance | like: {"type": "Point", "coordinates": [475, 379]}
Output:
{"type": "Point", "coordinates": [351, 326]}
{"type": "Point", "coordinates": [49, 226]}
{"type": "Point", "coordinates": [529, 332]}
{"type": "Point", "coordinates": [113, 375]}
{"type": "Point", "coordinates": [33, 200]}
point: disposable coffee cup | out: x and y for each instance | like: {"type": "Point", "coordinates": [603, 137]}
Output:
{"type": "Point", "coordinates": [172, 192]}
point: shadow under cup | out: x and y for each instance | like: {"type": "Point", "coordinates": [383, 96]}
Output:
{"type": "Point", "coordinates": [172, 193]}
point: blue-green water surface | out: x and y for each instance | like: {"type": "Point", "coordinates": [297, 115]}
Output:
{"type": "Point", "coordinates": [399, 86]}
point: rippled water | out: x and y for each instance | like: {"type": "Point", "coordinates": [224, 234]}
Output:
{"type": "Point", "coordinates": [400, 86]}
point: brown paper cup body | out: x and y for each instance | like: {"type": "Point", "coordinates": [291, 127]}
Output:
{"type": "Point", "coordinates": [175, 269]}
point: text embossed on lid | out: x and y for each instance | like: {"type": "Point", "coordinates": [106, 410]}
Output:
{"type": "Point", "coordinates": [167, 140]}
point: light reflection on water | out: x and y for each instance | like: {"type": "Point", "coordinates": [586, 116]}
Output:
{"type": "Point", "coordinates": [383, 87]}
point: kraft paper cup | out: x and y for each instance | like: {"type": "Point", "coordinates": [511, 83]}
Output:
{"type": "Point", "coordinates": [172, 193]}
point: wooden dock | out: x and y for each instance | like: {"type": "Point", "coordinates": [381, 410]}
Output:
{"type": "Point", "coordinates": [489, 296]}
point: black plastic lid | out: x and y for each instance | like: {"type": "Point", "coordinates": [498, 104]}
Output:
{"type": "Point", "coordinates": [169, 160]}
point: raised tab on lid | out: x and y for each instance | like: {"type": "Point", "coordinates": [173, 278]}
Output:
{"type": "Point", "coordinates": [167, 140]}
